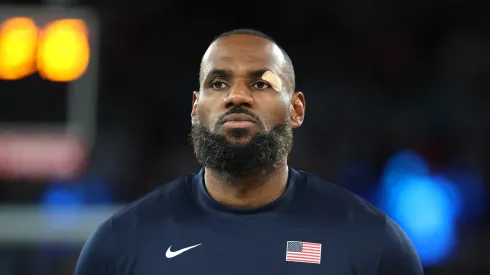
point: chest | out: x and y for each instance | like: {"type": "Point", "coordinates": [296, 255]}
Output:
{"type": "Point", "coordinates": [240, 250]}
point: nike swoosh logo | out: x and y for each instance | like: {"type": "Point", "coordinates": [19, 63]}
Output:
{"type": "Point", "coordinates": [171, 254]}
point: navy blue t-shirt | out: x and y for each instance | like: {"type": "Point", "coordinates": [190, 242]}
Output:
{"type": "Point", "coordinates": [314, 228]}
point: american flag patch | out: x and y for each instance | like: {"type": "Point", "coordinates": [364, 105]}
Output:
{"type": "Point", "coordinates": [303, 252]}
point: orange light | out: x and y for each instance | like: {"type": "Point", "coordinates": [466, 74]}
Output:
{"type": "Point", "coordinates": [64, 51]}
{"type": "Point", "coordinates": [18, 43]}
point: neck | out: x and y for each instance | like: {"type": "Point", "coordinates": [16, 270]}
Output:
{"type": "Point", "coordinates": [251, 191]}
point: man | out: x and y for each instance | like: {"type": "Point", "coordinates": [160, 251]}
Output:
{"type": "Point", "coordinates": [247, 212]}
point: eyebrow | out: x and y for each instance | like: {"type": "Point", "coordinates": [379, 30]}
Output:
{"type": "Point", "coordinates": [226, 73]}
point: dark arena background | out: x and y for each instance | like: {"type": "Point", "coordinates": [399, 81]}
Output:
{"type": "Point", "coordinates": [397, 96]}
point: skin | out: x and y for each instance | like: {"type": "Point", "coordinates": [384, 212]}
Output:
{"type": "Point", "coordinates": [231, 71]}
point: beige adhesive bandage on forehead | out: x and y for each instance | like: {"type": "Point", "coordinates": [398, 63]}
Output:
{"type": "Point", "coordinates": [273, 79]}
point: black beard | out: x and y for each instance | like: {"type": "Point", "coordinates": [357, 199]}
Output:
{"type": "Point", "coordinates": [257, 157]}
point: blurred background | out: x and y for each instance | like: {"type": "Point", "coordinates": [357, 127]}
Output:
{"type": "Point", "coordinates": [95, 100]}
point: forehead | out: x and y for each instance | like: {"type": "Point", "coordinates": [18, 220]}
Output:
{"type": "Point", "coordinates": [243, 53]}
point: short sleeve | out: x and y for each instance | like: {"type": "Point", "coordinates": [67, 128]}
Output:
{"type": "Point", "coordinates": [399, 255]}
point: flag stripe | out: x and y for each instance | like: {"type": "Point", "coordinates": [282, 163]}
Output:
{"type": "Point", "coordinates": [303, 259]}
{"type": "Point", "coordinates": [304, 256]}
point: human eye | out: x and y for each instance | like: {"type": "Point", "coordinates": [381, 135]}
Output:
{"type": "Point", "coordinates": [218, 85]}
{"type": "Point", "coordinates": [261, 85]}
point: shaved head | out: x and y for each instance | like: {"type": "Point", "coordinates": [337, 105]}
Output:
{"type": "Point", "coordinates": [248, 36]}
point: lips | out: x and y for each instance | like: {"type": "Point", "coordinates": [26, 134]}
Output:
{"type": "Point", "coordinates": [237, 117]}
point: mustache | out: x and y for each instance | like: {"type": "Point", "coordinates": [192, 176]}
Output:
{"type": "Point", "coordinates": [238, 110]}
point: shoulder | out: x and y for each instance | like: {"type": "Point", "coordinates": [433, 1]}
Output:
{"type": "Point", "coordinates": [159, 205]}
{"type": "Point", "coordinates": [369, 229]}
{"type": "Point", "coordinates": [337, 202]}
{"type": "Point", "coordinates": [399, 255]}
{"type": "Point", "coordinates": [115, 236]}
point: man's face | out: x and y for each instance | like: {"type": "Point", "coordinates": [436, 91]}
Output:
{"type": "Point", "coordinates": [240, 124]}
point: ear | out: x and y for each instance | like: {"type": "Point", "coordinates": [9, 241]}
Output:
{"type": "Point", "coordinates": [195, 99]}
{"type": "Point", "coordinates": [298, 105]}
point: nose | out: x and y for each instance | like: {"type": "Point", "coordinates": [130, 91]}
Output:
{"type": "Point", "coordinates": [239, 95]}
